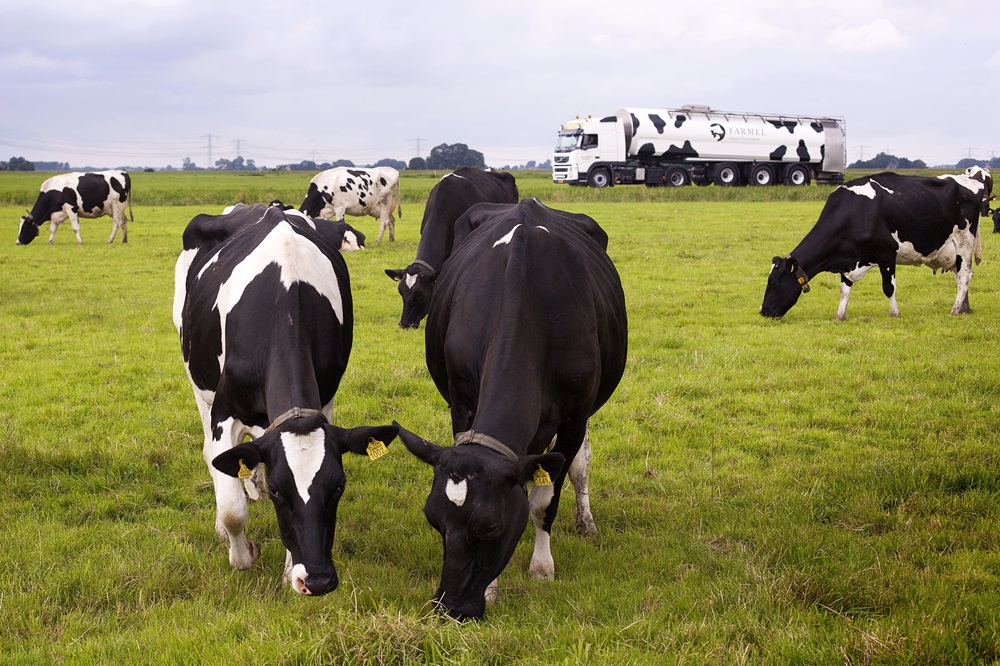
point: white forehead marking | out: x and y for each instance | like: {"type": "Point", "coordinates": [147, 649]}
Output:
{"type": "Point", "coordinates": [304, 454]}
{"type": "Point", "coordinates": [456, 491]}
{"type": "Point", "coordinates": [411, 279]}
{"type": "Point", "coordinates": [866, 190]}
{"type": "Point", "coordinates": [506, 239]}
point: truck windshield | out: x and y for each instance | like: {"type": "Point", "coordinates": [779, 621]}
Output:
{"type": "Point", "coordinates": [566, 143]}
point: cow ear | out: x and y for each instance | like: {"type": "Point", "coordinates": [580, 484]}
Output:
{"type": "Point", "coordinates": [776, 260]}
{"type": "Point", "coordinates": [420, 447]}
{"type": "Point", "coordinates": [243, 457]}
{"type": "Point", "coordinates": [526, 466]}
{"type": "Point", "coordinates": [357, 440]}
{"type": "Point", "coordinates": [792, 264]}
{"type": "Point", "coordinates": [395, 273]}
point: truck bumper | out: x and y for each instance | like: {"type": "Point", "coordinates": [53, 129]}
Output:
{"type": "Point", "coordinates": [565, 173]}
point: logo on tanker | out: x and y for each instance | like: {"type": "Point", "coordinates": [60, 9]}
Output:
{"type": "Point", "coordinates": [718, 131]}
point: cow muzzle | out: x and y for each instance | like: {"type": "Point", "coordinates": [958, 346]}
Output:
{"type": "Point", "coordinates": [313, 585]}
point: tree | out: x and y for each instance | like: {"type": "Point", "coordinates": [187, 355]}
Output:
{"type": "Point", "coordinates": [17, 164]}
{"type": "Point", "coordinates": [454, 156]}
{"type": "Point", "coordinates": [884, 161]}
{"type": "Point", "coordinates": [417, 164]}
{"type": "Point", "coordinates": [398, 165]}
{"type": "Point", "coordinates": [188, 165]}
{"type": "Point", "coordinates": [239, 164]}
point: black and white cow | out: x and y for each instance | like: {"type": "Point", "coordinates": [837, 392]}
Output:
{"type": "Point", "coordinates": [452, 196]}
{"type": "Point", "coordinates": [884, 220]}
{"type": "Point", "coordinates": [350, 239]}
{"type": "Point", "coordinates": [75, 195]}
{"type": "Point", "coordinates": [375, 192]}
{"type": "Point", "coordinates": [263, 306]}
{"type": "Point", "coordinates": [526, 338]}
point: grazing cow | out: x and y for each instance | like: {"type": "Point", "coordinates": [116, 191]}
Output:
{"type": "Point", "coordinates": [452, 196]}
{"type": "Point", "coordinates": [263, 306]}
{"type": "Point", "coordinates": [375, 192]}
{"type": "Point", "coordinates": [75, 195]}
{"type": "Point", "coordinates": [350, 239]}
{"type": "Point", "coordinates": [884, 220]}
{"type": "Point", "coordinates": [526, 339]}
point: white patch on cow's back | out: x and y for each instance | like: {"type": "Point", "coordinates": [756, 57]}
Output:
{"type": "Point", "coordinates": [304, 454]}
{"type": "Point", "coordinates": [300, 261]}
{"type": "Point", "coordinates": [308, 220]}
{"type": "Point", "coordinates": [866, 190]}
{"type": "Point", "coordinates": [411, 279]}
{"type": "Point", "coordinates": [456, 491]}
{"type": "Point", "coordinates": [506, 239]}
{"type": "Point", "coordinates": [181, 268]}
{"type": "Point", "coordinates": [971, 184]}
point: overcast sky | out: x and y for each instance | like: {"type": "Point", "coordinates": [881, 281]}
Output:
{"type": "Point", "coordinates": [150, 82]}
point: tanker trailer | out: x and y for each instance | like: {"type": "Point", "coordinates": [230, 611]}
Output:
{"type": "Point", "coordinates": [697, 144]}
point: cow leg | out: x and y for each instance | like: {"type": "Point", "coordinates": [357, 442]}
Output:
{"type": "Point", "coordinates": [542, 565]}
{"type": "Point", "coordinates": [845, 293]}
{"type": "Point", "coordinates": [231, 511]}
{"type": "Point", "coordinates": [118, 221]}
{"type": "Point", "coordinates": [491, 592]}
{"type": "Point", "coordinates": [388, 221]}
{"type": "Point", "coordinates": [963, 276]}
{"type": "Point", "coordinates": [52, 231]}
{"type": "Point", "coordinates": [889, 287]}
{"type": "Point", "coordinates": [74, 221]}
{"type": "Point", "coordinates": [579, 471]}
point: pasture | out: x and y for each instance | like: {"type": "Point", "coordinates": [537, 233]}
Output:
{"type": "Point", "coordinates": [792, 491]}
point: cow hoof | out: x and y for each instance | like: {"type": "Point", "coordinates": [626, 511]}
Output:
{"type": "Point", "coordinates": [585, 526]}
{"type": "Point", "coordinates": [491, 592]}
{"type": "Point", "coordinates": [243, 561]}
{"type": "Point", "coordinates": [542, 571]}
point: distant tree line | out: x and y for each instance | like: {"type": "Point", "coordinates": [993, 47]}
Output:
{"type": "Point", "coordinates": [968, 162]}
{"type": "Point", "coordinates": [17, 164]}
{"type": "Point", "coordinates": [886, 161]}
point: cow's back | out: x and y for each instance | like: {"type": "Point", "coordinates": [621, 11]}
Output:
{"type": "Point", "coordinates": [528, 288]}
{"type": "Point", "coordinates": [268, 288]}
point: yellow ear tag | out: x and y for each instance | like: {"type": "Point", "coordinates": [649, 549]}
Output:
{"type": "Point", "coordinates": [376, 448]}
{"type": "Point", "coordinates": [542, 477]}
{"type": "Point", "coordinates": [244, 472]}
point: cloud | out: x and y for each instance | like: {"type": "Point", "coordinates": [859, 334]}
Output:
{"type": "Point", "coordinates": [878, 36]}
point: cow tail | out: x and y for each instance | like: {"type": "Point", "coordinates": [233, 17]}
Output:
{"type": "Point", "coordinates": [978, 254]}
{"type": "Point", "coordinates": [130, 218]}
{"type": "Point", "coordinates": [399, 200]}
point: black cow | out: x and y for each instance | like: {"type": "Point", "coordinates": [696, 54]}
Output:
{"type": "Point", "coordinates": [263, 306]}
{"type": "Point", "coordinates": [884, 220]}
{"type": "Point", "coordinates": [526, 338]}
{"type": "Point", "coordinates": [452, 196]}
{"type": "Point", "coordinates": [75, 195]}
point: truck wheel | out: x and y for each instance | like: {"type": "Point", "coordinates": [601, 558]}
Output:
{"type": "Point", "coordinates": [678, 177]}
{"type": "Point", "coordinates": [599, 178]}
{"type": "Point", "coordinates": [797, 175]}
{"type": "Point", "coordinates": [727, 175]}
{"type": "Point", "coordinates": [762, 174]}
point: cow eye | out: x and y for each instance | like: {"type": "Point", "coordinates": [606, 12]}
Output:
{"type": "Point", "coordinates": [486, 531]}
{"type": "Point", "coordinates": [275, 496]}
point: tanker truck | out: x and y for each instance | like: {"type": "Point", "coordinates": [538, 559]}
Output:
{"type": "Point", "coordinates": [697, 144]}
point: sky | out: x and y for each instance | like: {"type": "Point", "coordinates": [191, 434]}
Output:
{"type": "Point", "coordinates": [138, 83]}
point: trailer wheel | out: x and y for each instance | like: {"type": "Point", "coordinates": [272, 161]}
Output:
{"type": "Point", "coordinates": [727, 175]}
{"type": "Point", "coordinates": [599, 178]}
{"type": "Point", "coordinates": [797, 175]}
{"type": "Point", "coordinates": [762, 174]}
{"type": "Point", "coordinates": [678, 177]}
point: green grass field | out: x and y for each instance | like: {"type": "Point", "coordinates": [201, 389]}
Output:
{"type": "Point", "coordinates": [795, 491]}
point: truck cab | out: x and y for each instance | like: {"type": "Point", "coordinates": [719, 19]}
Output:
{"type": "Point", "coordinates": [583, 143]}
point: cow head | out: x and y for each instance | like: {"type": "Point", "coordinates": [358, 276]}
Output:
{"type": "Point", "coordinates": [305, 479]}
{"type": "Point", "coordinates": [983, 175]}
{"type": "Point", "coordinates": [416, 286]}
{"type": "Point", "coordinates": [785, 283]}
{"type": "Point", "coordinates": [28, 230]}
{"type": "Point", "coordinates": [479, 505]}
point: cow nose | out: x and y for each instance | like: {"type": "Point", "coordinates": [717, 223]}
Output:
{"type": "Point", "coordinates": [319, 584]}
